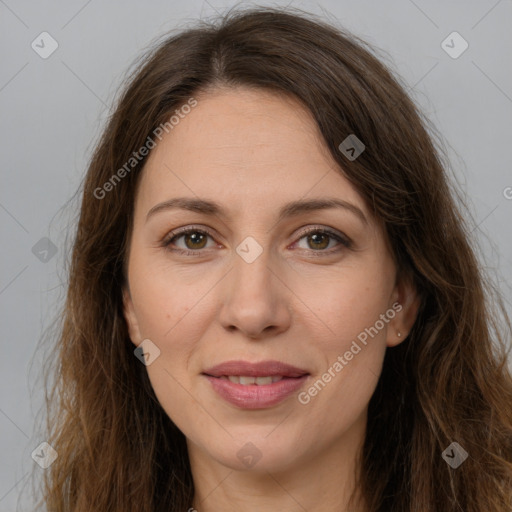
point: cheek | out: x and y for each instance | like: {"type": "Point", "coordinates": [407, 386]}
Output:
{"type": "Point", "coordinates": [352, 364]}
{"type": "Point", "coordinates": [164, 299]}
{"type": "Point", "coordinates": [352, 306]}
{"type": "Point", "coordinates": [348, 301]}
{"type": "Point", "coordinates": [173, 317]}
{"type": "Point", "coordinates": [173, 310]}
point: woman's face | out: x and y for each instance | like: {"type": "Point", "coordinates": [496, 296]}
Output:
{"type": "Point", "coordinates": [272, 315]}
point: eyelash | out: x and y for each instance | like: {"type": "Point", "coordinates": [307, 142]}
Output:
{"type": "Point", "coordinates": [174, 235]}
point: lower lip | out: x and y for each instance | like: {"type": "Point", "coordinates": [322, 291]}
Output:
{"type": "Point", "coordinates": [252, 396]}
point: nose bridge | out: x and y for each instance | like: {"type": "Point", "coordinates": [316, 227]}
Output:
{"type": "Point", "coordinates": [251, 275]}
{"type": "Point", "coordinates": [254, 299]}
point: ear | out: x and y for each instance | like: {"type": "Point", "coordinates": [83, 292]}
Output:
{"type": "Point", "coordinates": [405, 302]}
{"type": "Point", "coordinates": [131, 318]}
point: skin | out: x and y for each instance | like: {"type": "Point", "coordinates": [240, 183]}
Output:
{"type": "Point", "coordinates": [299, 302]}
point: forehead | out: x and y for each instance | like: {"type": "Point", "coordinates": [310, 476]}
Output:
{"type": "Point", "coordinates": [247, 148]}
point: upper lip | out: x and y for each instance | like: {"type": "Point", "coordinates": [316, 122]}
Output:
{"type": "Point", "coordinates": [259, 369]}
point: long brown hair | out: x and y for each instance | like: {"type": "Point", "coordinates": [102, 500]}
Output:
{"type": "Point", "coordinates": [448, 382]}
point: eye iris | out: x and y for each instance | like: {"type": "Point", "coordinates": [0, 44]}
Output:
{"type": "Point", "coordinates": [315, 237]}
{"type": "Point", "coordinates": [196, 238]}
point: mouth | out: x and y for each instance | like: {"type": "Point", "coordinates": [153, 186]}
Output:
{"type": "Point", "coordinates": [255, 385]}
{"type": "Point", "coordinates": [246, 380]}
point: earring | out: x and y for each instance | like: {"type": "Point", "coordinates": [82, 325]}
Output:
{"type": "Point", "coordinates": [399, 334]}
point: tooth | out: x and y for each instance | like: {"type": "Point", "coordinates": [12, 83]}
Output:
{"type": "Point", "coordinates": [263, 381]}
{"type": "Point", "coordinates": [247, 380]}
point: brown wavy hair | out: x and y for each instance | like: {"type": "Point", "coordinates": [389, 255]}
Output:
{"type": "Point", "coordinates": [118, 451]}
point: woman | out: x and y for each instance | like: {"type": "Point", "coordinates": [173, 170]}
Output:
{"type": "Point", "coordinates": [273, 301]}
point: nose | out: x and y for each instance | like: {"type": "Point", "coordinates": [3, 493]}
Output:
{"type": "Point", "coordinates": [256, 300]}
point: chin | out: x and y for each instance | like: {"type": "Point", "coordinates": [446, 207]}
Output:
{"type": "Point", "coordinates": [257, 451]}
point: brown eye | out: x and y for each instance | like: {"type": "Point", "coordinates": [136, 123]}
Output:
{"type": "Point", "coordinates": [187, 240]}
{"type": "Point", "coordinates": [195, 240]}
{"type": "Point", "coordinates": [318, 240]}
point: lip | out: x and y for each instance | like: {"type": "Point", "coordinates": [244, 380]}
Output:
{"type": "Point", "coordinates": [260, 369]}
{"type": "Point", "coordinates": [253, 396]}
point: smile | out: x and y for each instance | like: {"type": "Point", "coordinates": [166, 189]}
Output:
{"type": "Point", "coordinates": [255, 385]}
{"type": "Point", "coordinates": [246, 380]}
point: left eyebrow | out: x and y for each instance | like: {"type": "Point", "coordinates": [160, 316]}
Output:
{"type": "Point", "coordinates": [303, 206]}
{"type": "Point", "coordinates": [292, 209]}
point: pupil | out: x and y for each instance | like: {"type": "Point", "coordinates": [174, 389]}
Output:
{"type": "Point", "coordinates": [316, 241]}
{"type": "Point", "coordinates": [196, 238]}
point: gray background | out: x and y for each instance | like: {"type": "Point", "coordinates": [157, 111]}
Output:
{"type": "Point", "coordinates": [52, 111]}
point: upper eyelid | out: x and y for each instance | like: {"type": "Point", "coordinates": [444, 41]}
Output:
{"type": "Point", "coordinates": [185, 230]}
{"type": "Point", "coordinates": [179, 232]}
